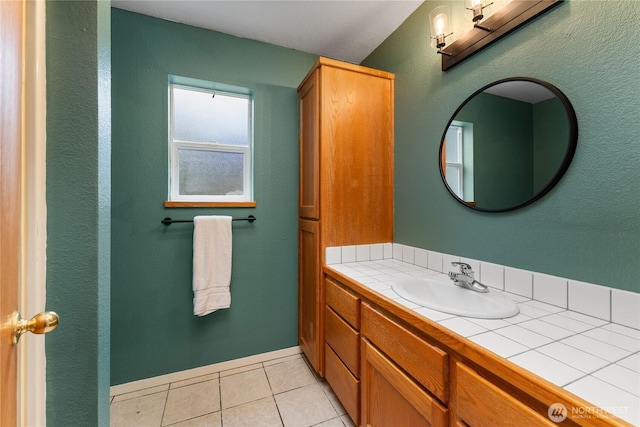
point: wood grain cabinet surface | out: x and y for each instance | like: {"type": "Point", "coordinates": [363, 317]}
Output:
{"type": "Point", "coordinates": [343, 339]}
{"type": "Point", "coordinates": [414, 372]}
{"type": "Point", "coordinates": [481, 403]}
{"type": "Point", "coordinates": [391, 398]}
{"type": "Point", "coordinates": [344, 384]}
{"type": "Point", "coordinates": [346, 177]}
{"type": "Point", "coordinates": [342, 350]}
{"type": "Point", "coordinates": [309, 335]}
{"type": "Point", "coordinates": [428, 364]}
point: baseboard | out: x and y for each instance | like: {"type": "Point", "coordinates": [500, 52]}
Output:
{"type": "Point", "coordinates": [203, 370]}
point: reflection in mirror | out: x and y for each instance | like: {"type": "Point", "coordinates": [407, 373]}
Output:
{"type": "Point", "coordinates": [508, 144]}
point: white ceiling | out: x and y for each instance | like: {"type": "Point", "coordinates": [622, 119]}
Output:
{"type": "Point", "coordinates": [348, 30]}
{"type": "Point", "coordinates": [524, 91]}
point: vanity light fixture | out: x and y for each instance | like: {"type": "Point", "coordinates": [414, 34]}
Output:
{"type": "Point", "coordinates": [477, 9]}
{"type": "Point", "coordinates": [439, 20]}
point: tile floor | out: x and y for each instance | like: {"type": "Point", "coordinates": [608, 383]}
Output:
{"type": "Point", "coordinates": [280, 392]}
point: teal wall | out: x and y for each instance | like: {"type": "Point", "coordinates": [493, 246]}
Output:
{"type": "Point", "coordinates": [78, 211]}
{"type": "Point", "coordinates": [587, 227]}
{"type": "Point", "coordinates": [502, 150]}
{"type": "Point", "coordinates": [153, 329]}
{"type": "Point", "coordinates": [550, 136]}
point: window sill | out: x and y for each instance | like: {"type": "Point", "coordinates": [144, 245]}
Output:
{"type": "Point", "coordinates": [174, 204]}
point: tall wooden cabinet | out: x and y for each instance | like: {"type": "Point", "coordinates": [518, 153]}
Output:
{"type": "Point", "coordinates": [346, 177]}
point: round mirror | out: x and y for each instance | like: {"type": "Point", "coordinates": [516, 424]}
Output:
{"type": "Point", "coordinates": [508, 144]}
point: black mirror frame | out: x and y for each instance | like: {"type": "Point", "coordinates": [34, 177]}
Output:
{"type": "Point", "coordinates": [566, 161]}
{"type": "Point", "coordinates": [507, 19]}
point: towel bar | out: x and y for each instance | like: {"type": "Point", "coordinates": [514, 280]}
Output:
{"type": "Point", "coordinates": [169, 221]}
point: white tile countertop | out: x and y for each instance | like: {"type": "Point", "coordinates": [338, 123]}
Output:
{"type": "Point", "coordinates": [594, 359]}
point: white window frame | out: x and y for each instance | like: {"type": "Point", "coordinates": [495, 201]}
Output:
{"type": "Point", "coordinates": [175, 145]}
{"type": "Point", "coordinates": [458, 166]}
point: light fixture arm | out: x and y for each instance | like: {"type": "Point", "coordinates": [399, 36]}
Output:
{"type": "Point", "coordinates": [440, 43]}
{"type": "Point", "coordinates": [478, 14]}
{"type": "Point", "coordinates": [487, 29]}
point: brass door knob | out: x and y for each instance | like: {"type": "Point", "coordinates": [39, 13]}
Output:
{"type": "Point", "coordinates": [41, 323]}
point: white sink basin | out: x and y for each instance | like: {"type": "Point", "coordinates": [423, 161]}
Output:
{"type": "Point", "coordinates": [449, 298]}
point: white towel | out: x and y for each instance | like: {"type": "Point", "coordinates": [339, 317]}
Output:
{"type": "Point", "coordinates": [211, 264]}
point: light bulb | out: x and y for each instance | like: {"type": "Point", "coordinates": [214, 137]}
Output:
{"type": "Point", "coordinates": [440, 22]}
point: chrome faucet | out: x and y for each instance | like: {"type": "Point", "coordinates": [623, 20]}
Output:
{"type": "Point", "coordinates": [465, 278]}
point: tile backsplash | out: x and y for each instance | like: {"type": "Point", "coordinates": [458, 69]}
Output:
{"type": "Point", "coordinates": [614, 305]}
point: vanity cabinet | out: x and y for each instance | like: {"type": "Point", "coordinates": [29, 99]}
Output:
{"type": "Point", "coordinates": [414, 372]}
{"type": "Point", "coordinates": [346, 177]}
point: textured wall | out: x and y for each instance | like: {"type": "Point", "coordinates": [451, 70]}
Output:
{"type": "Point", "coordinates": [550, 133]}
{"type": "Point", "coordinates": [587, 227]}
{"type": "Point", "coordinates": [78, 211]}
{"type": "Point", "coordinates": [154, 330]}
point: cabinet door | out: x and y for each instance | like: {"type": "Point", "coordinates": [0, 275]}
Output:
{"type": "Point", "coordinates": [390, 398]}
{"type": "Point", "coordinates": [357, 157]}
{"type": "Point", "coordinates": [310, 324]}
{"type": "Point", "coordinates": [481, 403]}
{"type": "Point", "coordinates": [309, 196]}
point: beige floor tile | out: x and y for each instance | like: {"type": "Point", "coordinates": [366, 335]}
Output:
{"type": "Point", "coordinates": [289, 375]}
{"type": "Point", "coordinates": [192, 401]}
{"type": "Point", "coordinates": [305, 406]}
{"type": "Point", "coordinates": [335, 422]}
{"type": "Point", "coordinates": [240, 369]}
{"type": "Point", "coordinates": [259, 413]}
{"type": "Point", "coordinates": [282, 359]}
{"type": "Point", "coordinates": [246, 395]}
{"type": "Point", "coordinates": [139, 393]}
{"type": "Point", "coordinates": [348, 422]}
{"type": "Point", "coordinates": [195, 380]}
{"type": "Point", "coordinates": [244, 387]}
{"type": "Point", "coordinates": [314, 373]}
{"type": "Point", "coordinates": [144, 411]}
{"type": "Point", "coordinates": [209, 420]}
{"type": "Point", "coordinates": [335, 402]}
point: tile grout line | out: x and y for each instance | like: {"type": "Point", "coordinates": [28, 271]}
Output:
{"type": "Point", "coordinates": [273, 395]}
{"type": "Point", "coordinates": [262, 365]}
{"type": "Point", "coordinates": [164, 408]}
{"type": "Point", "coordinates": [220, 398]}
{"type": "Point", "coordinates": [604, 381]}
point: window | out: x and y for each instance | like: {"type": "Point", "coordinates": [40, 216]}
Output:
{"type": "Point", "coordinates": [455, 168]}
{"type": "Point", "coordinates": [459, 171]}
{"type": "Point", "coordinates": [210, 142]}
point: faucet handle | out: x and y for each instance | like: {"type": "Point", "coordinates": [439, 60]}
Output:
{"type": "Point", "coordinates": [464, 267]}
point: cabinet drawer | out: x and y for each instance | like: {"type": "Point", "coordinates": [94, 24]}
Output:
{"type": "Point", "coordinates": [481, 403]}
{"type": "Point", "coordinates": [425, 363]}
{"type": "Point", "coordinates": [344, 385]}
{"type": "Point", "coordinates": [343, 302]}
{"type": "Point", "coordinates": [343, 339]}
